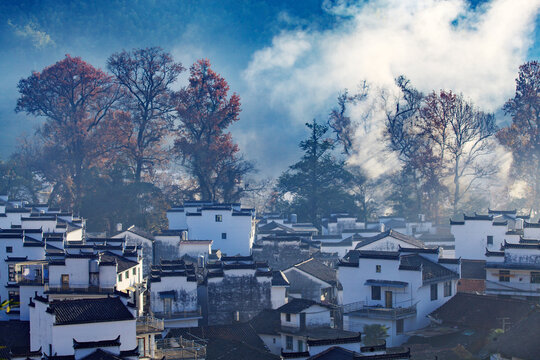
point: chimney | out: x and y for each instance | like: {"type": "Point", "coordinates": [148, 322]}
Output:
{"type": "Point", "coordinates": [119, 227]}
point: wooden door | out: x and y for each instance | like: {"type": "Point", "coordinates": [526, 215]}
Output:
{"type": "Point", "coordinates": [388, 299]}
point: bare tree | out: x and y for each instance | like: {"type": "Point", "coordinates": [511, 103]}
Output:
{"type": "Point", "coordinates": [146, 76]}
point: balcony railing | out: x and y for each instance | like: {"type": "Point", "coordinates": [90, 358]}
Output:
{"type": "Point", "coordinates": [146, 324]}
{"type": "Point", "coordinates": [179, 314]}
{"type": "Point", "coordinates": [77, 288]}
{"type": "Point", "coordinates": [179, 348]}
{"type": "Point", "coordinates": [379, 312]}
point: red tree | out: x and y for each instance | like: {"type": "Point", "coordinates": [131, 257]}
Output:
{"type": "Point", "coordinates": [146, 76]}
{"type": "Point", "coordinates": [76, 99]}
{"type": "Point", "coordinates": [205, 111]}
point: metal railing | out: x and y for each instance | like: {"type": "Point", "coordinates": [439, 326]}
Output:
{"type": "Point", "coordinates": [179, 314]}
{"type": "Point", "coordinates": [179, 348]}
{"type": "Point", "coordinates": [379, 312]}
{"type": "Point", "coordinates": [77, 288]}
{"type": "Point", "coordinates": [149, 323]}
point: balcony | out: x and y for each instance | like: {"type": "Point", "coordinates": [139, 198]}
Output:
{"type": "Point", "coordinates": [197, 313]}
{"type": "Point", "coordinates": [77, 289]}
{"type": "Point", "coordinates": [360, 309]}
{"type": "Point", "coordinates": [179, 348]}
{"type": "Point", "coordinates": [149, 324]}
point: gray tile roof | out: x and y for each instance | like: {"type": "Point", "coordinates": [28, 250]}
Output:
{"type": "Point", "coordinates": [89, 311]}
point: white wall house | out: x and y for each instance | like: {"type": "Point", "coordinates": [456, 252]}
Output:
{"type": "Point", "coordinates": [173, 294]}
{"type": "Point", "coordinates": [514, 271]}
{"type": "Point", "coordinates": [477, 233]}
{"type": "Point", "coordinates": [395, 289]}
{"type": "Point", "coordinates": [230, 227]}
{"type": "Point", "coordinates": [57, 326]}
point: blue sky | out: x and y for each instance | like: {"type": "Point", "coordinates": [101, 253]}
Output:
{"type": "Point", "coordinates": [287, 60]}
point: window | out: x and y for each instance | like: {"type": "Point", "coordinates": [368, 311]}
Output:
{"type": "Point", "coordinates": [134, 271]}
{"type": "Point", "coordinates": [535, 277]}
{"type": "Point", "coordinates": [11, 272]}
{"type": "Point", "coordinates": [119, 277]}
{"type": "Point", "coordinates": [65, 281]}
{"type": "Point", "coordinates": [300, 346]}
{"type": "Point", "coordinates": [447, 288]}
{"type": "Point", "coordinates": [375, 293]}
{"type": "Point", "coordinates": [399, 326]}
{"type": "Point", "coordinates": [224, 235]}
{"type": "Point", "coordinates": [127, 274]}
{"type": "Point", "coordinates": [288, 317]}
{"type": "Point", "coordinates": [219, 218]}
{"type": "Point", "coordinates": [289, 342]}
{"type": "Point", "coordinates": [274, 340]}
{"type": "Point", "coordinates": [490, 240]}
{"type": "Point", "coordinates": [378, 268]}
{"type": "Point", "coordinates": [504, 275]}
{"type": "Point", "coordinates": [434, 294]}
{"type": "Point", "coordinates": [9, 249]}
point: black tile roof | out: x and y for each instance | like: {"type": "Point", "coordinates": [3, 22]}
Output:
{"type": "Point", "coordinates": [521, 340]}
{"type": "Point", "coordinates": [431, 272]}
{"type": "Point", "coordinates": [267, 322]}
{"type": "Point", "coordinates": [89, 311]}
{"type": "Point", "coordinates": [100, 354]}
{"type": "Point", "coordinates": [392, 233]}
{"type": "Point", "coordinates": [96, 344]}
{"type": "Point", "coordinates": [481, 311]}
{"type": "Point", "coordinates": [227, 342]}
{"type": "Point", "coordinates": [295, 306]}
{"type": "Point", "coordinates": [279, 279]}
{"type": "Point", "coordinates": [319, 270]}
{"type": "Point", "coordinates": [122, 262]}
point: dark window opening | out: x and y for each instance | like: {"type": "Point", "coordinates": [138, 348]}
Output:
{"type": "Point", "coordinates": [434, 293]}
{"type": "Point", "coordinates": [375, 293]}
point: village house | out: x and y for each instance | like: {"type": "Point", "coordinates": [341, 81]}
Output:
{"type": "Point", "coordinates": [78, 328]}
{"type": "Point", "coordinates": [312, 279]}
{"type": "Point", "coordinates": [396, 289]}
{"type": "Point", "coordinates": [229, 226]}
{"type": "Point", "coordinates": [173, 294]}
{"type": "Point", "coordinates": [515, 270]}
{"type": "Point", "coordinates": [283, 251]}
{"type": "Point", "coordinates": [236, 289]}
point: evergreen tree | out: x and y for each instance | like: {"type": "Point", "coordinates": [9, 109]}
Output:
{"type": "Point", "coordinates": [318, 182]}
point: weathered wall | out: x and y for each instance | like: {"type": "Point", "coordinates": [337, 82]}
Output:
{"type": "Point", "coordinates": [281, 255]}
{"type": "Point", "coordinates": [246, 294]}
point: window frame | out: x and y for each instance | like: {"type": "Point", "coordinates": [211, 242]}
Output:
{"type": "Point", "coordinates": [504, 275]}
{"type": "Point", "coordinates": [9, 249]}
{"type": "Point", "coordinates": [447, 289]}
{"type": "Point", "coordinates": [378, 268]}
{"type": "Point", "coordinates": [535, 277]}
{"type": "Point", "coordinates": [400, 326]}
{"type": "Point", "coordinates": [219, 218]}
{"type": "Point", "coordinates": [434, 292]}
{"type": "Point", "coordinates": [224, 236]}
{"type": "Point", "coordinates": [289, 341]}
{"type": "Point", "coordinates": [490, 239]}
{"type": "Point", "coordinates": [288, 317]}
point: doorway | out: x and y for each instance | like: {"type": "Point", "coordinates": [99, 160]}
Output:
{"type": "Point", "coordinates": [388, 299]}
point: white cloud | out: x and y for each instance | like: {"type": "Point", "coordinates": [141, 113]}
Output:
{"type": "Point", "coordinates": [31, 31]}
{"type": "Point", "coordinates": [436, 44]}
